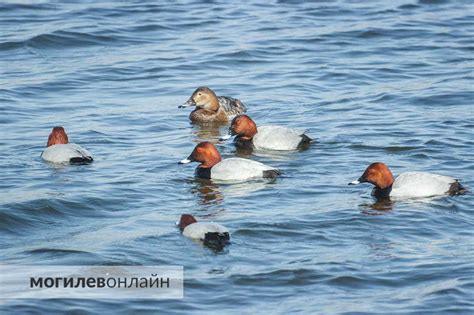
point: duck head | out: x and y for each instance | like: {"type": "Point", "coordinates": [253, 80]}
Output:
{"type": "Point", "coordinates": [204, 98]}
{"type": "Point", "coordinates": [204, 153]}
{"type": "Point", "coordinates": [243, 127]}
{"type": "Point", "coordinates": [57, 136]}
{"type": "Point", "coordinates": [185, 220]}
{"type": "Point", "coordinates": [377, 174]}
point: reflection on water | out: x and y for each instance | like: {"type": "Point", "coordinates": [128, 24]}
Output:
{"type": "Point", "coordinates": [243, 189]}
{"type": "Point", "coordinates": [243, 152]}
{"type": "Point", "coordinates": [267, 154]}
{"type": "Point", "coordinates": [209, 131]}
{"type": "Point", "coordinates": [213, 193]}
{"type": "Point", "coordinates": [207, 191]}
{"type": "Point", "coordinates": [382, 206]}
{"type": "Point", "coordinates": [347, 70]}
{"type": "Point", "coordinates": [381, 249]}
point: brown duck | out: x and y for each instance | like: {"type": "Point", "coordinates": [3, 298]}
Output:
{"type": "Point", "coordinates": [212, 108]}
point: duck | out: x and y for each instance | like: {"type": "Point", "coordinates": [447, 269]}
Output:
{"type": "Point", "coordinates": [247, 135]}
{"type": "Point", "coordinates": [212, 166]}
{"type": "Point", "coordinates": [59, 150]}
{"type": "Point", "coordinates": [212, 108]}
{"type": "Point", "coordinates": [211, 234]}
{"type": "Point", "coordinates": [409, 184]}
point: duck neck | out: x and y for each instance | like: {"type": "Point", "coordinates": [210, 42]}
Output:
{"type": "Point", "coordinates": [203, 172]}
{"type": "Point", "coordinates": [244, 142]}
{"type": "Point", "coordinates": [382, 193]}
{"type": "Point", "coordinates": [213, 103]}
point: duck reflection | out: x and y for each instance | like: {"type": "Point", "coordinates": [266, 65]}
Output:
{"type": "Point", "coordinates": [247, 152]}
{"type": "Point", "coordinates": [380, 207]}
{"type": "Point", "coordinates": [243, 189]}
{"type": "Point", "coordinates": [244, 152]}
{"type": "Point", "coordinates": [212, 193]}
{"type": "Point", "coordinates": [208, 131]}
{"type": "Point", "coordinates": [380, 248]}
{"type": "Point", "coordinates": [207, 191]}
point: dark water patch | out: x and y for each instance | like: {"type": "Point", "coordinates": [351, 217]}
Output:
{"type": "Point", "coordinates": [243, 57]}
{"type": "Point", "coordinates": [384, 97]}
{"type": "Point", "coordinates": [5, 46]}
{"type": "Point", "coordinates": [408, 7]}
{"type": "Point", "coordinates": [148, 28]}
{"type": "Point", "coordinates": [424, 2]}
{"type": "Point", "coordinates": [55, 251]}
{"type": "Point", "coordinates": [420, 156]}
{"type": "Point", "coordinates": [15, 7]}
{"type": "Point", "coordinates": [389, 149]}
{"type": "Point", "coordinates": [69, 39]}
{"type": "Point", "coordinates": [268, 233]}
{"type": "Point", "coordinates": [447, 99]}
{"type": "Point", "coordinates": [124, 9]}
{"type": "Point", "coordinates": [352, 282]}
{"type": "Point", "coordinates": [372, 34]}
{"type": "Point", "coordinates": [62, 256]}
{"type": "Point", "coordinates": [394, 149]}
{"type": "Point", "coordinates": [280, 277]}
{"type": "Point", "coordinates": [12, 222]}
{"type": "Point", "coordinates": [323, 11]}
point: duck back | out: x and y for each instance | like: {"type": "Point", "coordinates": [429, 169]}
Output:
{"type": "Point", "coordinates": [67, 153]}
{"type": "Point", "coordinates": [199, 230]}
{"type": "Point", "coordinates": [231, 106]}
{"type": "Point", "coordinates": [421, 184]}
{"type": "Point", "coordinates": [278, 138]}
{"type": "Point", "coordinates": [235, 169]}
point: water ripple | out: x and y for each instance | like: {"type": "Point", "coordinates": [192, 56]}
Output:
{"type": "Point", "coordinates": [371, 81]}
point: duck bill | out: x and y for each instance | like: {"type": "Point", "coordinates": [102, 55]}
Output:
{"type": "Point", "coordinates": [185, 161]}
{"type": "Point", "coordinates": [229, 135]}
{"type": "Point", "coordinates": [225, 138]}
{"type": "Point", "coordinates": [189, 103]}
{"type": "Point", "coordinates": [358, 181]}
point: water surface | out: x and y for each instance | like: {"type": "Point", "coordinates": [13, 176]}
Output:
{"type": "Point", "coordinates": [383, 81]}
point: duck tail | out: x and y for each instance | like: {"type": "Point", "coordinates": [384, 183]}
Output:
{"type": "Point", "coordinates": [216, 240]}
{"type": "Point", "coordinates": [81, 160]}
{"type": "Point", "coordinates": [237, 107]}
{"type": "Point", "coordinates": [232, 106]}
{"type": "Point", "coordinates": [241, 106]}
{"type": "Point", "coordinates": [305, 141]}
{"type": "Point", "coordinates": [457, 189]}
{"type": "Point", "coordinates": [271, 173]}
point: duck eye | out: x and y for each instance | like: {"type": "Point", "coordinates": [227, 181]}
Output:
{"type": "Point", "coordinates": [199, 94]}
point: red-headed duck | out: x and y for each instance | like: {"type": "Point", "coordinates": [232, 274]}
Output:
{"type": "Point", "coordinates": [265, 137]}
{"type": "Point", "coordinates": [409, 184]}
{"type": "Point", "coordinates": [59, 150]}
{"type": "Point", "coordinates": [212, 108]}
{"type": "Point", "coordinates": [233, 169]}
{"type": "Point", "coordinates": [211, 234]}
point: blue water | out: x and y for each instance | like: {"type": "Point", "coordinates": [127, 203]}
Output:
{"type": "Point", "coordinates": [387, 81]}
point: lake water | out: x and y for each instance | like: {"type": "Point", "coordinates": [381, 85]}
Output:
{"type": "Point", "coordinates": [373, 81]}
